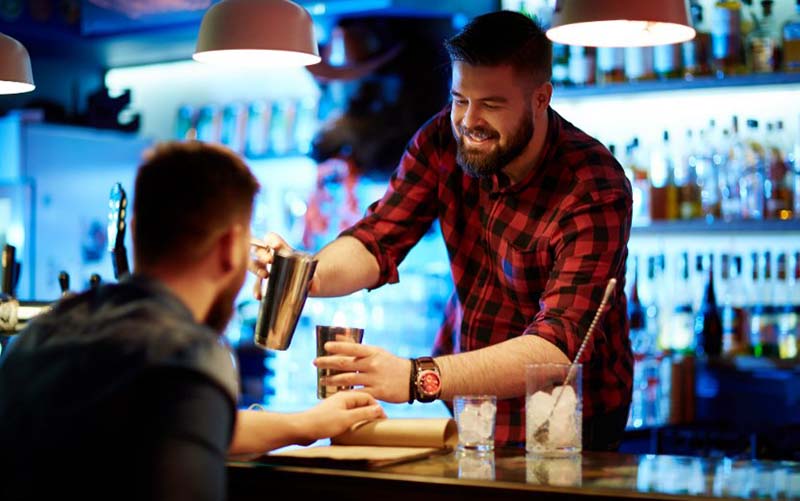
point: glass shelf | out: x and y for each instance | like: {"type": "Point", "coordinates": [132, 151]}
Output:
{"type": "Point", "coordinates": [700, 226]}
{"type": "Point", "coordinates": [756, 79]}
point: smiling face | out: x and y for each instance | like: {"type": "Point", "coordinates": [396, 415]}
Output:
{"type": "Point", "coordinates": [492, 117]}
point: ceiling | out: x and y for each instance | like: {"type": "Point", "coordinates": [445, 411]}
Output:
{"type": "Point", "coordinates": [113, 33]}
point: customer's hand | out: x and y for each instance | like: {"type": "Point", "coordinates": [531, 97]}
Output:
{"type": "Point", "coordinates": [335, 414]}
{"type": "Point", "coordinates": [382, 375]}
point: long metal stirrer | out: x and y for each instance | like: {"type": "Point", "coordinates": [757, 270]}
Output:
{"type": "Point", "coordinates": [542, 432]}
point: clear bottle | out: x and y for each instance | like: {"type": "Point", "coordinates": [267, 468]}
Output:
{"type": "Point", "coordinates": [581, 67]}
{"type": "Point", "coordinates": [696, 52]}
{"type": "Point", "coordinates": [777, 183]}
{"type": "Point", "coordinates": [733, 307]}
{"type": "Point", "coordinates": [707, 175]}
{"type": "Point", "coordinates": [640, 182]}
{"type": "Point", "coordinates": [610, 65]}
{"type": "Point", "coordinates": [689, 192]}
{"type": "Point", "coordinates": [667, 61]}
{"type": "Point", "coordinates": [751, 184]}
{"type": "Point", "coordinates": [791, 41]}
{"type": "Point", "coordinates": [732, 173]}
{"type": "Point", "coordinates": [681, 336]}
{"type": "Point", "coordinates": [726, 38]}
{"type": "Point", "coordinates": [639, 64]}
{"type": "Point", "coordinates": [763, 326]}
{"type": "Point", "coordinates": [651, 297]}
{"type": "Point", "coordinates": [663, 190]}
{"type": "Point", "coordinates": [762, 42]}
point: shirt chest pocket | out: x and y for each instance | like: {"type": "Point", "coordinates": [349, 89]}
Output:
{"type": "Point", "coordinates": [523, 270]}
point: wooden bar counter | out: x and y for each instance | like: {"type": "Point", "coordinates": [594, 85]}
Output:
{"type": "Point", "coordinates": [508, 474]}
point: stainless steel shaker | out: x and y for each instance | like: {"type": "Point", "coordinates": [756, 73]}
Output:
{"type": "Point", "coordinates": [287, 289]}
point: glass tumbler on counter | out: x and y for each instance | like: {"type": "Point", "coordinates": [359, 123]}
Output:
{"type": "Point", "coordinates": [544, 383]}
{"type": "Point", "coordinates": [475, 417]}
{"type": "Point", "coordinates": [327, 333]}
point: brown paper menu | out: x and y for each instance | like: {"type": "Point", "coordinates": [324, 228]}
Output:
{"type": "Point", "coordinates": [376, 443]}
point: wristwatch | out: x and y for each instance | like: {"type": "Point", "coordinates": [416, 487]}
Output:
{"type": "Point", "coordinates": [427, 380]}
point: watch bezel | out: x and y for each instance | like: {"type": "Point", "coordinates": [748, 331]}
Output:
{"type": "Point", "coordinates": [426, 368]}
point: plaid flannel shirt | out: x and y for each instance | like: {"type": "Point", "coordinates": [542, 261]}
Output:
{"type": "Point", "coordinates": [527, 258]}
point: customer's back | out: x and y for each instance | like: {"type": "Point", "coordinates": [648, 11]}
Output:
{"type": "Point", "coordinates": [118, 393]}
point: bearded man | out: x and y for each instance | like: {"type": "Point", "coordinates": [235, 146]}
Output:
{"type": "Point", "coordinates": [535, 215]}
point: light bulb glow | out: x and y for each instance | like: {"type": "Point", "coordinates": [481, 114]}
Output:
{"type": "Point", "coordinates": [620, 33]}
{"type": "Point", "coordinates": [256, 58]}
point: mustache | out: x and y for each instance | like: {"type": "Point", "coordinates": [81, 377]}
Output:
{"type": "Point", "coordinates": [478, 132]}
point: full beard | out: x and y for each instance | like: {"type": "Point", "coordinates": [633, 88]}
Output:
{"type": "Point", "coordinates": [221, 310]}
{"type": "Point", "coordinates": [478, 164]}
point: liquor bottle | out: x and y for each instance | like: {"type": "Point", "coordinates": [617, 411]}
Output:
{"type": "Point", "coordinates": [726, 38]}
{"type": "Point", "coordinates": [777, 183]}
{"type": "Point", "coordinates": [681, 336]}
{"type": "Point", "coordinates": [639, 64]}
{"type": "Point", "coordinates": [652, 300]}
{"type": "Point", "coordinates": [689, 193]}
{"type": "Point", "coordinates": [637, 316]}
{"type": "Point", "coordinates": [667, 61]}
{"type": "Point", "coordinates": [610, 65]}
{"type": "Point", "coordinates": [763, 329]}
{"type": "Point", "coordinates": [663, 190]}
{"type": "Point", "coordinates": [751, 184]}
{"type": "Point", "coordinates": [708, 324]}
{"type": "Point", "coordinates": [560, 64]}
{"type": "Point", "coordinates": [762, 42]}
{"type": "Point", "coordinates": [734, 307]}
{"type": "Point", "coordinates": [696, 52]}
{"type": "Point", "coordinates": [786, 322]}
{"type": "Point", "coordinates": [582, 66]}
{"type": "Point", "coordinates": [707, 175]}
{"type": "Point", "coordinates": [640, 182]}
{"type": "Point", "coordinates": [732, 172]}
{"type": "Point", "coordinates": [791, 41]}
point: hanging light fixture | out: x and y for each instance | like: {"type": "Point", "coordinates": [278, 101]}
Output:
{"type": "Point", "coordinates": [15, 67]}
{"type": "Point", "coordinates": [272, 33]}
{"type": "Point", "coordinates": [620, 23]}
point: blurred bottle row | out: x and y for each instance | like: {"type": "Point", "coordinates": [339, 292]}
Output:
{"type": "Point", "coordinates": [713, 306]}
{"type": "Point", "coordinates": [257, 129]}
{"type": "Point", "coordinates": [715, 173]}
{"type": "Point", "coordinates": [742, 37]}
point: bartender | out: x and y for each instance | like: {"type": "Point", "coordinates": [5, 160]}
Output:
{"type": "Point", "coordinates": [536, 217]}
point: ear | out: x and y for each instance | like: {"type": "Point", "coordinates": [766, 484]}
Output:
{"type": "Point", "coordinates": [541, 98]}
{"type": "Point", "coordinates": [229, 248]}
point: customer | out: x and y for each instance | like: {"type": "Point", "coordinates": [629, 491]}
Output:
{"type": "Point", "coordinates": [536, 217]}
{"type": "Point", "coordinates": [127, 391]}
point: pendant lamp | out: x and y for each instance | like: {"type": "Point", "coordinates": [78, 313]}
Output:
{"type": "Point", "coordinates": [620, 23]}
{"type": "Point", "coordinates": [15, 67]}
{"type": "Point", "coordinates": [270, 33]}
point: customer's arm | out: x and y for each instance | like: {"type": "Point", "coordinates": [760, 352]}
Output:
{"type": "Point", "coordinates": [261, 431]}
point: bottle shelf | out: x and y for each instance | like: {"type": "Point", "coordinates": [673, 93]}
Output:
{"type": "Point", "coordinates": [721, 227]}
{"type": "Point", "coordinates": [709, 82]}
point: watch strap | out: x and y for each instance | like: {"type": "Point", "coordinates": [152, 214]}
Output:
{"type": "Point", "coordinates": [412, 382]}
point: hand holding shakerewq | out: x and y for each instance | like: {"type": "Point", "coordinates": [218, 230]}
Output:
{"type": "Point", "coordinates": [287, 290]}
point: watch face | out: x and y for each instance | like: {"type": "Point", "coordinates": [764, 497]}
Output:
{"type": "Point", "coordinates": [429, 382]}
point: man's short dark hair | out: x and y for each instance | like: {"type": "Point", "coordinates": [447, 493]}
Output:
{"type": "Point", "coordinates": [186, 194]}
{"type": "Point", "coordinates": [504, 37]}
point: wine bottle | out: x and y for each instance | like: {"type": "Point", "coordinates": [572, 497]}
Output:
{"type": "Point", "coordinates": [708, 324]}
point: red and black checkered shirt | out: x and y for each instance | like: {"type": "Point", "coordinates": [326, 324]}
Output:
{"type": "Point", "coordinates": [531, 257]}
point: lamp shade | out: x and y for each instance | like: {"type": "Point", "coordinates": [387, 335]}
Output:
{"type": "Point", "coordinates": [15, 67]}
{"type": "Point", "coordinates": [620, 23]}
{"type": "Point", "coordinates": [270, 33]}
